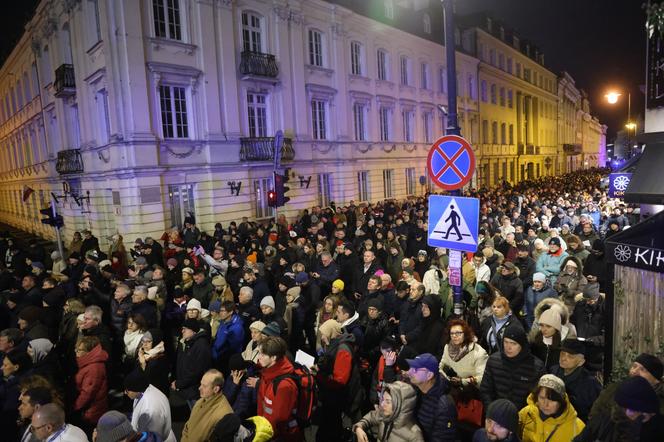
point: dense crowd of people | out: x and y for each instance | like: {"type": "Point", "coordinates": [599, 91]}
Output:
{"type": "Point", "coordinates": [339, 322]}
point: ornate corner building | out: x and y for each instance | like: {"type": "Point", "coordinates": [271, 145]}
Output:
{"type": "Point", "coordinates": [141, 111]}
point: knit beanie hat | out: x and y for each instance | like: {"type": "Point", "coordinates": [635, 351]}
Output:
{"type": "Point", "coordinates": [539, 276]}
{"type": "Point", "coordinates": [516, 333]}
{"type": "Point", "coordinates": [113, 426]}
{"type": "Point", "coordinates": [338, 284]}
{"type": "Point", "coordinates": [504, 413]}
{"type": "Point", "coordinates": [554, 383]}
{"type": "Point", "coordinates": [591, 291]}
{"type": "Point", "coordinates": [375, 303]}
{"type": "Point", "coordinates": [636, 394]}
{"type": "Point", "coordinates": [192, 324]}
{"type": "Point", "coordinates": [219, 281]}
{"type": "Point", "coordinates": [215, 306]}
{"type": "Point", "coordinates": [257, 325]}
{"type": "Point", "coordinates": [272, 329]}
{"type": "Point", "coordinates": [651, 363]}
{"type": "Point", "coordinates": [268, 301]}
{"type": "Point", "coordinates": [194, 304]}
{"type": "Point", "coordinates": [172, 262]}
{"type": "Point", "coordinates": [551, 318]}
{"type": "Point", "coordinates": [136, 381]}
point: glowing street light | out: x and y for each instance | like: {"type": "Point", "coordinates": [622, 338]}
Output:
{"type": "Point", "coordinates": [631, 126]}
{"type": "Point", "coordinates": [612, 97]}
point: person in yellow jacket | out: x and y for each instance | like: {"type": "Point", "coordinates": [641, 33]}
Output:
{"type": "Point", "coordinates": [209, 409]}
{"type": "Point", "coordinates": [549, 415]}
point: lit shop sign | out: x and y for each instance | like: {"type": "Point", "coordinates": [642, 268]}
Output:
{"type": "Point", "coordinates": [618, 183]}
{"type": "Point", "coordinates": [636, 256]}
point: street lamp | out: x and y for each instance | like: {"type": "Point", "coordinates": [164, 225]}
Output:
{"type": "Point", "coordinates": [612, 98]}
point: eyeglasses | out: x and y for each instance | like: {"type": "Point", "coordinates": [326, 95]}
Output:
{"type": "Point", "coordinates": [457, 333]}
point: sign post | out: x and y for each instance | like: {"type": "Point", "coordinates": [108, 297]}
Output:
{"type": "Point", "coordinates": [453, 220]}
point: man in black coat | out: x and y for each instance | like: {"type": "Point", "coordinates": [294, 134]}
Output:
{"type": "Point", "coordinates": [144, 306]}
{"type": "Point", "coordinates": [89, 242]}
{"type": "Point", "coordinates": [507, 281]}
{"type": "Point", "coordinates": [589, 319]}
{"type": "Point", "coordinates": [194, 358]}
{"type": "Point", "coordinates": [513, 373]}
{"type": "Point", "coordinates": [410, 320]}
{"type": "Point", "coordinates": [525, 264]}
{"type": "Point", "coordinates": [348, 263]}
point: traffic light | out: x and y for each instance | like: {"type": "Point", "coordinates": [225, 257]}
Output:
{"type": "Point", "coordinates": [281, 189]}
{"type": "Point", "coordinates": [52, 217]}
{"type": "Point", "coordinates": [271, 198]}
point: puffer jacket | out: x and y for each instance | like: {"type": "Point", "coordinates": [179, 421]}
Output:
{"type": "Point", "coordinates": [563, 428]}
{"type": "Point", "coordinates": [569, 285]}
{"type": "Point", "coordinates": [534, 297]}
{"type": "Point", "coordinates": [436, 413]}
{"type": "Point", "coordinates": [510, 378]}
{"type": "Point", "coordinates": [511, 287]}
{"type": "Point", "coordinates": [549, 264]}
{"type": "Point", "coordinates": [400, 426]}
{"type": "Point", "coordinates": [92, 385]}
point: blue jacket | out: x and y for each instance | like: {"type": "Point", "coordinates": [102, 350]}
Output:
{"type": "Point", "coordinates": [230, 337]}
{"type": "Point", "coordinates": [533, 297]}
{"type": "Point", "coordinates": [550, 265]}
{"type": "Point", "coordinates": [241, 397]}
{"type": "Point", "coordinates": [436, 413]}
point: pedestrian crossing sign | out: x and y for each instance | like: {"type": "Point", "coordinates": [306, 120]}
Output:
{"type": "Point", "coordinates": [453, 222]}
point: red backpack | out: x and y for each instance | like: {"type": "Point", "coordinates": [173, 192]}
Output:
{"type": "Point", "coordinates": [307, 392]}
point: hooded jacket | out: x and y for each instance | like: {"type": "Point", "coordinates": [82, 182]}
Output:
{"type": "Point", "coordinates": [152, 412]}
{"type": "Point", "coordinates": [400, 425]}
{"type": "Point", "coordinates": [549, 264]}
{"type": "Point", "coordinates": [563, 428]}
{"type": "Point", "coordinates": [431, 329]}
{"type": "Point", "coordinates": [569, 285]}
{"type": "Point", "coordinates": [278, 407]}
{"type": "Point", "coordinates": [92, 385]}
{"type": "Point", "coordinates": [566, 331]}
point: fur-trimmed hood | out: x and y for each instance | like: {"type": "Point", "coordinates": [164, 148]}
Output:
{"type": "Point", "coordinates": [577, 261]}
{"type": "Point", "coordinates": [546, 304]}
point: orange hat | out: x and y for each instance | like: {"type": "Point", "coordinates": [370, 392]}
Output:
{"type": "Point", "coordinates": [252, 258]}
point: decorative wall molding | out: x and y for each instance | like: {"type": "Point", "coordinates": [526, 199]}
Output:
{"type": "Point", "coordinates": [322, 147]}
{"type": "Point", "coordinates": [410, 148]}
{"type": "Point", "coordinates": [364, 148]}
{"type": "Point", "coordinates": [389, 148]}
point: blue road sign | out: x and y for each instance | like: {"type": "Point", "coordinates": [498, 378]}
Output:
{"type": "Point", "coordinates": [453, 222]}
{"type": "Point", "coordinates": [618, 183]}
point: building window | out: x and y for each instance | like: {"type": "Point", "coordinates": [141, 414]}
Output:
{"type": "Point", "coordinates": [167, 19]}
{"type": "Point", "coordinates": [485, 132]}
{"type": "Point", "coordinates": [384, 123]}
{"type": "Point", "coordinates": [251, 32]}
{"type": "Point", "coordinates": [389, 9]}
{"type": "Point", "coordinates": [426, 19]}
{"type": "Point", "coordinates": [510, 99]}
{"type": "Point", "coordinates": [471, 87]}
{"type": "Point", "coordinates": [501, 62]}
{"type": "Point", "coordinates": [425, 76]}
{"type": "Point", "coordinates": [502, 96]}
{"type": "Point", "coordinates": [410, 181]}
{"type": "Point", "coordinates": [363, 185]}
{"type": "Point", "coordinates": [509, 65]}
{"type": "Point", "coordinates": [387, 183]}
{"type": "Point", "coordinates": [493, 94]}
{"type": "Point", "coordinates": [381, 59]}
{"type": "Point", "coordinates": [511, 133]}
{"type": "Point", "coordinates": [503, 134]}
{"type": "Point", "coordinates": [261, 188]}
{"type": "Point", "coordinates": [182, 202]}
{"type": "Point", "coordinates": [356, 58]}
{"type": "Point", "coordinates": [315, 48]}
{"type": "Point", "coordinates": [103, 113]}
{"type": "Point", "coordinates": [483, 91]}
{"type": "Point", "coordinates": [359, 119]}
{"type": "Point", "coordinates": [427, 120]}
{"type": "Point", "coordinates": [318, 119]}
{"type": "Point", "coordinates": [526, 74]}
{"type": "Point", "coordinates": [324, 193]}
{"type": "Point", "coordinates": [494, 132]}
{"type": "Point", "coordinates": [173, 103]}
{"type": "Point", "coordinates": [492, 57]}
{"type": "Point", "coordinates": [257, 114]}
{"type": "Point", "coordinates": [442, 76]}
{"type": "Point", "coordinates": [518, 69]}
{"type": "Point", "coordinates": [405, 77]}
{"type": "Point", "coordinates": [407, 118]}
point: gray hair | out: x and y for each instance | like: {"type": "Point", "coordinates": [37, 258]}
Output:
{"type": "Point", "coordinates": [51, 414]}
{"type": "Point", "coordinates": [248, 290]}
{"type": "Point", "coordinates": [94, 311]}
{"type": "Point", "coordinates": [141, 289]}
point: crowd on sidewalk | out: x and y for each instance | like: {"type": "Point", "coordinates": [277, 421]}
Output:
{"type": "Point", "coordinates": [338, 322]}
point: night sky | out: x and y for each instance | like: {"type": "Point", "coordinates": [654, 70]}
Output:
{"type": "Point", "coordinates": [600, 43]}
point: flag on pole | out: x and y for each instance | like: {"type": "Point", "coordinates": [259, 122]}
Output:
{"type": "Point", "coordinates": [27, 191]}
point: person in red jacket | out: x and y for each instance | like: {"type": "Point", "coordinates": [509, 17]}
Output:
{"type": "Point", "coordinates": [91, 382]}
{"type": "Point", "coordinates": [277, 407]}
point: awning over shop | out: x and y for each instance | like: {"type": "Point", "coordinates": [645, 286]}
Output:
{"type": "Point", "coordinates": [647, 183]}
{"type": "Point", "coordinates": [641, 246]}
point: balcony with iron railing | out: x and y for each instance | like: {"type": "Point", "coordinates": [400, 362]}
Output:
{"type": "Point", "coordinates": [258, 64]}
{"type": "Point", "coordinates": [262, 149]}
{"type": "Point", "coordinates": [69, 161]}
{"type": "Point", "coordinates": [65, 83]}
{"type": "Point", "coordinates": [572, 149]}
